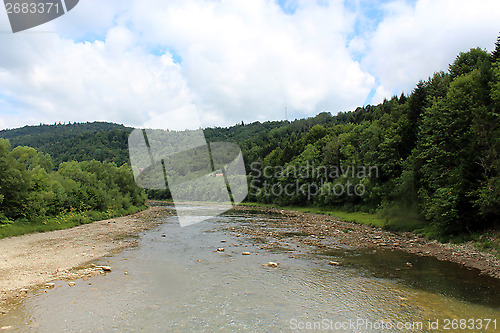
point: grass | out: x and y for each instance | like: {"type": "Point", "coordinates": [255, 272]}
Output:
{"type": "Point", "coordinates": [371, 219]}
{"type": "Point", "coordinates": [488, 241]}
{"type": "Point", "coordinates": [62, 221]}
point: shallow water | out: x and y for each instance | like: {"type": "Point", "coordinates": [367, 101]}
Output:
{"type": "Point", "coordinates": [180, 283]}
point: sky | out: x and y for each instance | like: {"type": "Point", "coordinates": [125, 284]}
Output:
{"type": "Point", "coordinates": [187, 64]}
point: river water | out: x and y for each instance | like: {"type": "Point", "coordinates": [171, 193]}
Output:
{"type": "Point", "coordinates": [177, 281]}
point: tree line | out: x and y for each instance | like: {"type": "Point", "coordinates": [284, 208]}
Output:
{"type": "Point", "coordinates": [436, 150]}
{"type": "Point", "coordinates": [100, 141]}
{"type": "Point", "coordinates": [435, 153]}
{"type": "Point", "coordinates": [32, 190]}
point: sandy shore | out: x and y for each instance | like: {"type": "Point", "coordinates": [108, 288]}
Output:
{"type": "Point", "coordinates": [31, 260]}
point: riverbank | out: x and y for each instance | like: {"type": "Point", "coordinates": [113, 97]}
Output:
{"type": "Point", "coordinates": [64, 220]}
{"type": "Point", "coordinates": [329, 233]}
{"type": "Point", "coordinates": [30, 260]}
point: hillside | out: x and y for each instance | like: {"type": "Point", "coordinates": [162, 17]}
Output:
{"type": "Point", "coordinates": [105, 142]}
{"type": "Point", "coordinates": [108, 142]}
{"type": "Point", "coordinates": [433, 156]}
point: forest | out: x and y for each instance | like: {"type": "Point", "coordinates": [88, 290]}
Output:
{"type": "Point", "coordinates": [426, 161]}
{"type": "Point", "coordinates": [436, 153]}
{"type": "Point", "coordinates": [36, 197]}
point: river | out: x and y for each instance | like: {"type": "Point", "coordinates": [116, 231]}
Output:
{"type": "Point", "coordinates": [176, 280]}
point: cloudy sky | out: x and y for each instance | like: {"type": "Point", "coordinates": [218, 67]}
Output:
{"type": "Point", "coordinates": [142, 62]}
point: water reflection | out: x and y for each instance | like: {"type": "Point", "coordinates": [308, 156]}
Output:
{"type": "Point", "coordinates": [425, 273]}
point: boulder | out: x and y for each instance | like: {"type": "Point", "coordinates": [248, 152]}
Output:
{"type": "Point", "coordinates": [334, 263]}
{"type": "Point", "coordinates": [272, 264]}
{"type": "Point", "coordinates": [104, 268]}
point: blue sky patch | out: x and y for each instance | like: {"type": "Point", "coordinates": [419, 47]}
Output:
{"type": "Point", "coordinates": [371, 14]}
{"type": "Point", "coordinates": [288, 6]}
{"type": "Point", "coordinates": [160, 50]}
{"type": "Point", "coordinates": [370, 96]}
{"type": "Point", "coordinates": [90, 37]}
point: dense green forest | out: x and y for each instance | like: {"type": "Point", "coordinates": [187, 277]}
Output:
{"type": "Point", "coordinates": [100, 141]}
{"type": "Point", "coordinates": [33, 194]}
{"type": "Point", "coordinates": [436, 153]}
{"type": "Point", "coordinates": [428, 160]}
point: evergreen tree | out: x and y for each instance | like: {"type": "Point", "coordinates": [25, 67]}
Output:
{"type": "Point", "coordinates": [495, 55]}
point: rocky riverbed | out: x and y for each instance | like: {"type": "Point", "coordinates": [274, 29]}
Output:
{"type": "Point", "coordinates": [329, 233]}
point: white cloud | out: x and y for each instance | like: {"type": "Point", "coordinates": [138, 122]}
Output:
{"type": "Point", "coordinates": [174, 119]}
{"type": "Point", "coordinates": [90, 19]}
{"type": "Point", "coordinates": [111, 80]}
{"type": "Point", "coordinates": [413, 42]}
{"type": "Point", "coordinates": [241, 60]}
{"type": "Point", "coordinates": [247, 60]}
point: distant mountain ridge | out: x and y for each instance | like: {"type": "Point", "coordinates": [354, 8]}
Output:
{"type": "Point", "coordinates": [108, 142]}
{"type": "Point", "coordinates": [101, 141]}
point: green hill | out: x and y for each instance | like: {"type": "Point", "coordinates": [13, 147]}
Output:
{"type": "Point", "coordinates": [108, 142]}
{"type": "Point", "coordinates": [100, 141]}
{"type": "Point", "coordinates": [436, 152]}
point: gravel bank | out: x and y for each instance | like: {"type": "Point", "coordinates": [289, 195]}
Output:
{"type": "Point", "coordinates": [326, 232]}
